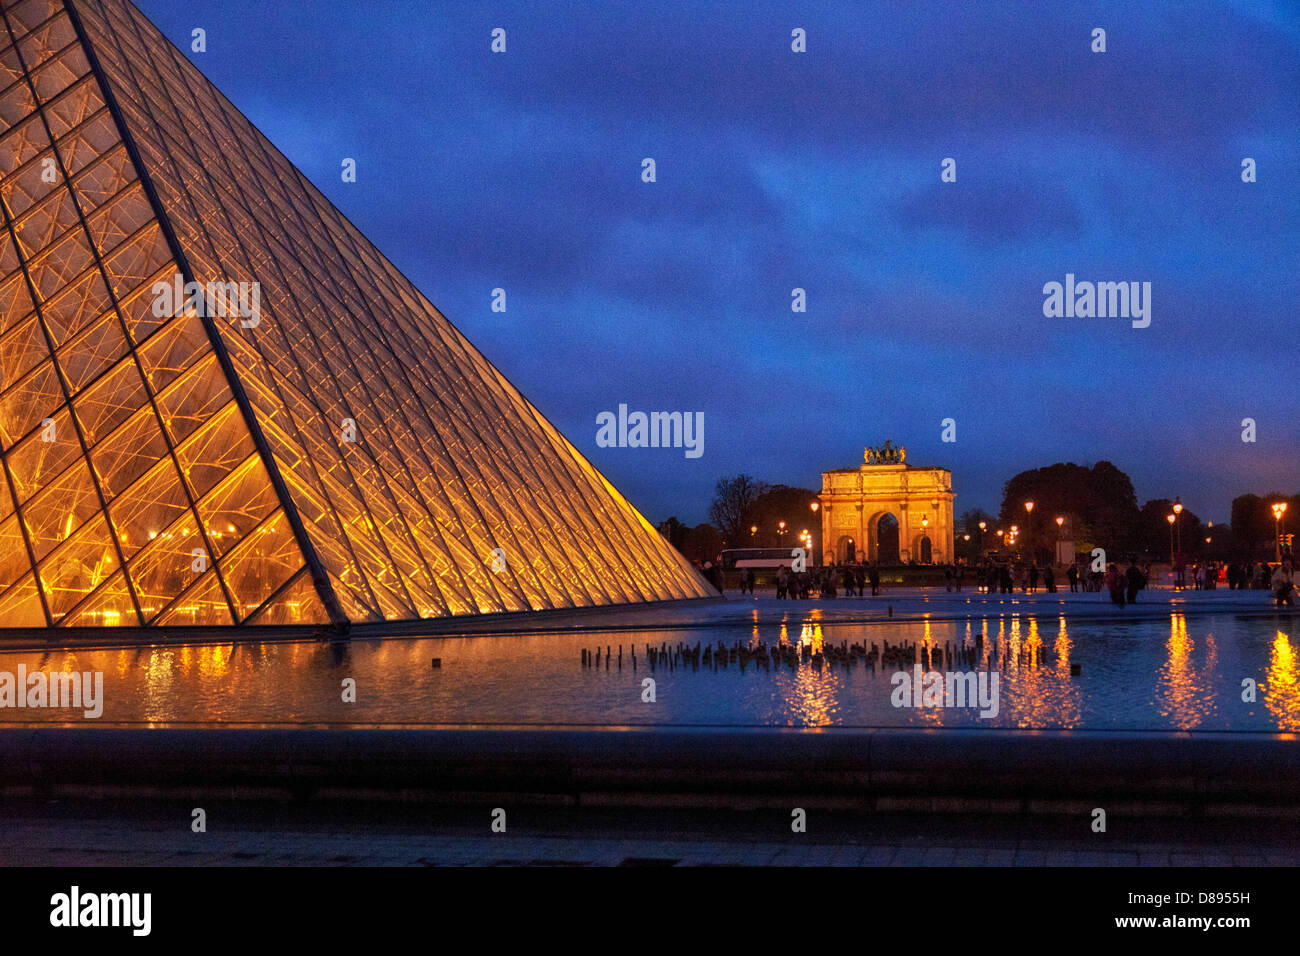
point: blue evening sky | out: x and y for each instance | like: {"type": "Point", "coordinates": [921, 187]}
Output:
{"type": "Point", "coordinates": [821, 170]}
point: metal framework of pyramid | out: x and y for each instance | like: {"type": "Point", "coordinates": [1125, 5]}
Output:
{"type": "Point", "coordinates": [181, 469]}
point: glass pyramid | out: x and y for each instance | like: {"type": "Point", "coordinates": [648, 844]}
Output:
{"type": "Point", "coordinates": [338, 454]}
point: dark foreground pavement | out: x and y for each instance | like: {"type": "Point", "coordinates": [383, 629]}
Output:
{"type": "Point", "coordinates": [72, 832]}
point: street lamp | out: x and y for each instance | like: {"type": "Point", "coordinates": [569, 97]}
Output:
{"type": "Point", "coordinates": [1178, 513]}
{"type": "Point", "coordinates": [1171, 518]}
{"type": "Point", "coordinates": [1279, 509]}
{"type": "Point", "coordinates": [1029, 513]}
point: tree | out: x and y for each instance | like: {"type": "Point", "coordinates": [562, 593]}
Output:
{"type": "Point", "coordinates": [732, 500]}
{"type": "Point", "coordinates": [702, 543]}
{"type": "Point", "coordinates": [1154, 530]}
{"type": "Point", "coordinates": [1100, 499]}
{"type": "Point", "coordinates": [1252, 522]}
{"type": "Point", "coordinates": [782, 503]}
{"type": "Point", "coordinates": [970, 521]}
{"type": "Point", "coordinates": [675, 532]}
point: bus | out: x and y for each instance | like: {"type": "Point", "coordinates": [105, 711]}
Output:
{"type": "Point", "coordinates": [734, 558]}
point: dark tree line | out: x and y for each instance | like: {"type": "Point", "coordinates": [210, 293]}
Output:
{"type": "Point", "coordinates": [1098, 503]}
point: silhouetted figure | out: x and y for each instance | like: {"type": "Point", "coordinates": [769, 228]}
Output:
{"type": "Point", "coordinates": [1072, 575]}
{"type": "Point", "coordinates": [1115, 584]}
{"type": "Point", "coordinates": [1283, 585]}
{"type": "Point", "coordinates": [1049, 579]}
{"type": "Point", "coordinates": [875, 580]}
{"type": "Point", "coordinates": [1135, 580]}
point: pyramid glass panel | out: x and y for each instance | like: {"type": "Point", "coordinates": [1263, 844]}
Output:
{"type": "Point", "coordinates": [220, 404]}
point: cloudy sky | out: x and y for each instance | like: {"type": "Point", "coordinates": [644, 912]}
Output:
{"type": "Point", "coordinates": [821, 171]}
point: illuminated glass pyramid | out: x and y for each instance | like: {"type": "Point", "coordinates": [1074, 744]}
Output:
{"type": "Point", "coordinates": [340, 453]}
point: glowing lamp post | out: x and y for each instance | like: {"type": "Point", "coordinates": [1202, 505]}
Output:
{"type": "Point", "coordinates": [1279, 509]}
{"type": "Point", "coordinates": [1029, 515]}
{"type": "Point", "coordinates": [1171, 518]}
{"type": "Point", "coordinates": [1178, 513]}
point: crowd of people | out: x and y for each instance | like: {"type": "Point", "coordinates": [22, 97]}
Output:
{"type": "Point", "coordinates": [826, 581]}
{"type": "Point", "coordinates": [990, 576]}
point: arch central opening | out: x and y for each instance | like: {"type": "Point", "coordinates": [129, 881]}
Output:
{"type": "Point", "coordinates": [887, 539]}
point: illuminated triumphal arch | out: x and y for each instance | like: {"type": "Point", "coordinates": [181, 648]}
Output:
{"type": "Point", "coordinates": [863, 508]}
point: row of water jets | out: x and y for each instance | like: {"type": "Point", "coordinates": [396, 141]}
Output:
{"type": "Point", "coordinates": [794, 655]}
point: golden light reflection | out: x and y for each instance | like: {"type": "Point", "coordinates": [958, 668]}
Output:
{"type": "Point", "coordinates": [1282, 684]}
{"type": "Point", "coordinates": [1184, 695]}
{"type": "Point", "coordinates": [1035, 695]}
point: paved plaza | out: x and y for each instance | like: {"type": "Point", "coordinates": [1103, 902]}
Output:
{"type": "Point", "coordinates": [254, 834]}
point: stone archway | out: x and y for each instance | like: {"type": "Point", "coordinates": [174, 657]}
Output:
{"type": "Point", "coordinates": [885, 544]}
{"type": "Point", "coordinates": [918, 500]}
{"type": "Point", "coordinates": [846, 549]}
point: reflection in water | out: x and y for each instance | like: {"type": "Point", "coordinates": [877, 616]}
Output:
{"type": "Point", "coordinates": [1282, 684]}
{"type": "Point", "coordinates": [1041, 693]}
{"type": "Point", "coordinates": [1184, 693]}
{"type": "Point", "coordinates": [1135, 675]}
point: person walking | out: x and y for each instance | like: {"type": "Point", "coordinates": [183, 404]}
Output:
{"type": "Point", "coordinates": [875, 579]}
{"type": "Point", "coordinates": [1133, 578]}
{"type": "Point", "coordinates": [1072, 575]}
{"type": "Point", "coordinates": [1115, 584]}
{"type": "Point", "coordinates": [1284, 585]}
